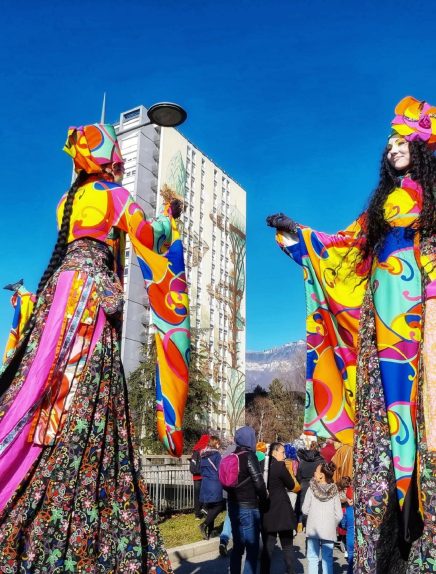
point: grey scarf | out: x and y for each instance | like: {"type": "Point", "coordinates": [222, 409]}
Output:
{"type": "Point", "coordinates": [323, 492]}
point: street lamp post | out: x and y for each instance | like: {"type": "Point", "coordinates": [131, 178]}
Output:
{"type": "Point", "coordinates": [163, 114]}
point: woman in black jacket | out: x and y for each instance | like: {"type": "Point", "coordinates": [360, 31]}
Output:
{"type": "Point", "coordinates": [279, 519]}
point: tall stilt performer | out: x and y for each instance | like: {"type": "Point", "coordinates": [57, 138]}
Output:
{"type": "Point", "coordinates": [371, 347]}
{"type": "Point", "coordinates": [71, 495]}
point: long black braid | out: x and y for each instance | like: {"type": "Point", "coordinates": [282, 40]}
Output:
{"type": "Point", "coordinates": [61, 245]}
{"type": "Point", "coordinates": [423, 171]}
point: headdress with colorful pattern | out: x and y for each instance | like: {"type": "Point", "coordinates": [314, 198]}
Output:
{"type": "Point", "coordinates": [415, 120]}
{"type": "Point", "coordinates": [93, 146]}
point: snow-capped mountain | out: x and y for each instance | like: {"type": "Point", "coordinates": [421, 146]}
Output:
{"type": "Point", "coordinates": [287, 363]}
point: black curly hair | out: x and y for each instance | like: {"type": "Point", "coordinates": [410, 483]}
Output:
{"type": "Point", "coordinates": [423, 171]}
{"type": "Point", "coordinates": [60, 247]}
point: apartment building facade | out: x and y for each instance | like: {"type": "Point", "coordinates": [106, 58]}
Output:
{"type": "Point", "coordinates": [213, 234]}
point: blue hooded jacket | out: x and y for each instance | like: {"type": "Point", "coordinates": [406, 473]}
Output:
{"type": "Point", "coordinates": [246, 437]}
{"type": "Point", "coordinates": [211, 490]}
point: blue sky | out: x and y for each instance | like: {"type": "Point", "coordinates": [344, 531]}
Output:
{"type": "Point", "coordinates": [292, 98]}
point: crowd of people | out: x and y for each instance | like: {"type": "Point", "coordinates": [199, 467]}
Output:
{"type": "Point", "coordinates": [275, 491]}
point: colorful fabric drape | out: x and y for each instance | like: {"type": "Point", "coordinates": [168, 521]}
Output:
{"type": "Point", "coordinates": [71, 494]}
{"type": "Point", "coordinates": [337, 286]}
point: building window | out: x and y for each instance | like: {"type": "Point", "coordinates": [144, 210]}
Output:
{"type": "Point", "coordinates": [131, 115]}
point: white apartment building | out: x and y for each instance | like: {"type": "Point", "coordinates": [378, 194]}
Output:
{"type": "Point", "coordinates": [213, 233]}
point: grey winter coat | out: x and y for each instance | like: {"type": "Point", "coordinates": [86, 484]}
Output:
{"type": "Point", "coordinates": [323, 509]}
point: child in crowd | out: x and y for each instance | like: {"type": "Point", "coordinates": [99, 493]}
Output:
{"type": "Point", "coordinates": [322, 507]}
{"type": "Point", "coordinates": [342, 485]}
{"type": "Point", "coordinates": [348, 523]}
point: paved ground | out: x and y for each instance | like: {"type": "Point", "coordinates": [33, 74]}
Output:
{"type": "Point", "coordinates": [212, 563]}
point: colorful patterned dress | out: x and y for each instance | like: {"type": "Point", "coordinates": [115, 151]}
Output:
{"type": "Point", "coordinates": [369, 368]}
{"type": "Point", "coordinates": [71, 497]}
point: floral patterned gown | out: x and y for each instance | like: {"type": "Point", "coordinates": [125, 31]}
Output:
{"type": "Point", "coordinates": [368, 371]}
{"type": "Point", "coordinates": [71, 496]}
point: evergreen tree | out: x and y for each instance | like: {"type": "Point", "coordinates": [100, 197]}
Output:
{"type": "Point", "coordinates": [202, 398]}
{"type": "Point", "coordinates": [259, 391]}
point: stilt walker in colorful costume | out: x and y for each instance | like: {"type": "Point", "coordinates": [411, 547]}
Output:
{"type": "Point", "coordinates": [371, 347]}
{"type": "Point", "coordinates": [71, 496]}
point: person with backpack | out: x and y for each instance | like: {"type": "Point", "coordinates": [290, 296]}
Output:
{"type": "Point", "coordinates": [226, 532]}
{"type": "Point", "coordinates": [195, 470]}
{"type": "Point", "coordinates": [240, 474]}
{"type": "Point", "coordinates": [211, 492]}
{"type": "Point", "coordinates": [279, 518]}
{"type": "Point", "coordinates": [322, 506]}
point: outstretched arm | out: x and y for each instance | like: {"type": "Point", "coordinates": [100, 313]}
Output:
{"type": "Point", "coordinates": [335, 282]}
{"type": "Point", "coordinates": [150, 238]}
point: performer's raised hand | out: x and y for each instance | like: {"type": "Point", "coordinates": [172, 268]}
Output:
{"type": "Point", "coordinates": [281, 222]}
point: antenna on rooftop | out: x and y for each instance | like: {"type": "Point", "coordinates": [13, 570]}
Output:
{"type": "Point", "coordinates": [103, 109]}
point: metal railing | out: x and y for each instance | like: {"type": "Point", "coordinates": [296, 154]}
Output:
{"type": "Point", "coordinates": [170, 487]}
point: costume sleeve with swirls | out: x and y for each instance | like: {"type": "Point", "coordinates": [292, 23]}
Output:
{"type": "Point", "coordinates": [159, 251]}
{"type": "Point", "coordinates": [334, 285]}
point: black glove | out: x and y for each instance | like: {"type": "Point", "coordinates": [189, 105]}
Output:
{"type": "Point", "coordinates": [176, 208]}
{"type": "Point", "coordinates": [281, 222]}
